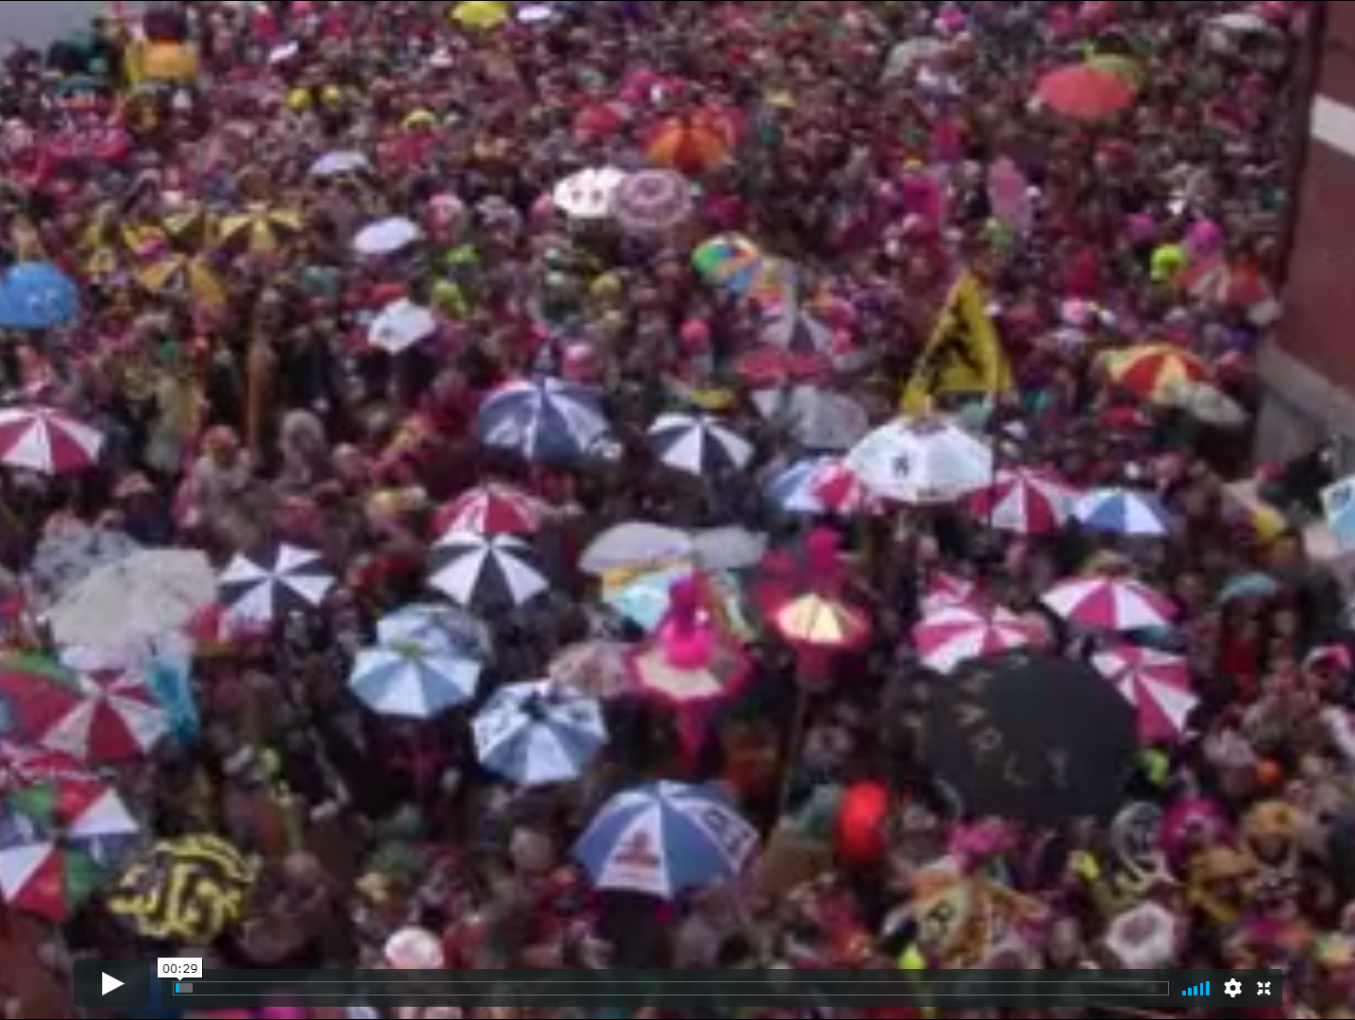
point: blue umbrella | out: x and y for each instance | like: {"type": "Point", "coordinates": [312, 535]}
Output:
{"type": "Point", "coordinates": [546, 421]}
{"type": "Point", "coordinates": [37, 295]}
{"type": "Point", "coordinates": [665, 839]}
{"type": "Point", "coordinates": [1121, 512]}
{"type": "Point", "coordinates": [1249, 586]}
{"type": "Point", "coordinates": [437, 629]}
{"type": "Point", "coordinates": [414, 683]}
{"type": "Point", "coordinates": [539, 734]}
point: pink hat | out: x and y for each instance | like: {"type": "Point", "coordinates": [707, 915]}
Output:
{"type": "Point", "coordinates": [695, 336]}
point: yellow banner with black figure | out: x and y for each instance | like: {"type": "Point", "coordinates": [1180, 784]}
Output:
{"type": "Point", "coordinates": [965, 355]}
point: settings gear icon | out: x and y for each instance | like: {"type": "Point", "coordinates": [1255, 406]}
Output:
{"type": "Point", "coordinates": [1232, 989]}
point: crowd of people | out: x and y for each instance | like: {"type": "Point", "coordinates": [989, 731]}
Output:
{"type": "Point", "coordinates": [844, 408]}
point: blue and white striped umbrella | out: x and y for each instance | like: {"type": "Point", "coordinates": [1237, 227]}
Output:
{"type": "Point", "coordinates": [437, 629]}
{"type": "Point", "coordinates": [1122, 512]}
{"type": "Point", "coordinates": [666, 839]}
{"type": "Point", "coordinates": [409, 682]}
{"type": "Point", "coordinates": [539, 734]}
{"type": "Point", "coordinates": [699, 445]}
{"type": "Point", "coordinates": [547, 421]}
{"type": "Point", "coordinates": [486, 573]}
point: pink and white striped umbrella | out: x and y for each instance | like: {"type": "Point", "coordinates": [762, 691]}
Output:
{"type": "Point", "coordinates": [1110, 604]}
{"type": "Point", "coordinates": [47, 441]}
{"type": "Point", "coordinates": [494, 510]}
{"type": "Point", "coordinates": [117, 722]}
{"type": "Point", "coordinates": [1026, 502]}
{"type": "Point", "coordinates": [948, 639]}
{"type": "Point", "coordinates": [946, 591]}
{"type": "Point", "coordinates": [1155, 683]}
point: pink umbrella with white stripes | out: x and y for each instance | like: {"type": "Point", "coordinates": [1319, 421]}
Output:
{"type": "Point", "coordinates": [117, 721]}
{"type": "Point", "coordinates": [946, 591]}
{"type": "Point", "coordinates": [494, 510]}
{"type": "Point", "coordinates": [948, 639]}
{"type": "Point", "coordinates": [47, 441]}
{"type": "Point", "coordinates": [1110, 604]}
{"type": "Point", "coordinates": [1155, 683]}
{"type": "Point", "coordinates": [1026, 502]}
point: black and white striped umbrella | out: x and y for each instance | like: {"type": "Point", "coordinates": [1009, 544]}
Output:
{"type": "Point", "coordinates": [267, 588]}
{"type": "Point", "coordinates": [699, 445]}
{"type": "Point", "coordinates": [486, 572]}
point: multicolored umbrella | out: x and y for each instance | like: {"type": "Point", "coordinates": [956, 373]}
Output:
{"type": "Point", "coordinates": [923, 462]}
{"type": "Point", "coordinates": [654, 203]}
{"type": "Point", "coordinates": [48, 442]}
{"type": "Point", "coordinates": [544, 421]}
{"type": "Point", "coordinates": [1156, 684]}
{"type": "Point", "coordinates": [948, 639]}
{"type": "Point", "coordinates": [823, 624]}
{"type": "Point", "coordinates": [37, 296]}
{"type": "Point", "coordinates": [116, 721]}
{"type": "Point", "coordinates": [35, 693]}
{"type": "Point", "coordinates": [822, 487]}
{"type": "Point", "coordinates": [735, 264]}
{"type": "Point", "coordinates": [1085, 93]}
{"type": "Point", "coordinates": [699, 446]}
{"type": "Point", "coordinates": [268, 588]}
{"type": "Point", "coordinates": [263, 228]}
{"type": "Point", "coordinates": [665, 840]}
{"type": "Point", "coordinates": [414, 681]}
{"type": "Point", "coordinates": [494, 509]}
{"type": "Point", "coordinates": [188, 891]}
{"type": "Point", "coordinates": [486, 572]}
{"type": "Point", "coordinates": [1112, 604]}
{"type": "Point", "coordinates": [694, 145]}
{"type": "Point", "coordinates": [1026, 502]}
{"type": "Point", "coordinates": [1154, 372]}
{"type": "Point", "coordinates": [539, 734]}
{"type": "Point", "coordinates": [1121, 512]}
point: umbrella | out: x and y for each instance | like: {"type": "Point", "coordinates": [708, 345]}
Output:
{"type": "Point", "coordinates": [819, 419]}
{"type": "Point", "coordinates": [699, 446]}
{"type": "Point", "coordinates": [414, 681]}
{"type": "Point", "coordinates": [1026, 502]}
{"type": "Point", "coordinates": [910, 54]}
{"type": "Point", "coordinates": [481, 15]}
{"type": "Point", "coordinates": [822, 487]}
{"type": "Point", "coordinates": [188, 891]}
{"type": "Point", "coordinates": [1110, 604]}
{"type": "Point", "coordinates": [602, 120]}
{"type": "Point", "coordinates": [545, 421]}
{"type": "Point", "coordinates": [1120, 512]}
{"type": "Point", "coordinates": [387, 237]}
{"type": "Point", "coordinates": [735, 264]}
{"type": "Point", "coordinates": [1035, 739]}
{"type": "Point", "coordinates": [923, 462]}
{"type": "Point", "coordinates": [116, 721]}
{"type": "Point", "coordinates": [494, 510]}
{"type": "Point", "coordinates": [1229, 284]}
{"type": "Point", "coordinates": [283, 581]}
{"type": "Point", "coordinates": [340, 164]}
{"type": "Point", "coordinates": [666, 839]}
{"type": "Point", "coordinates": [588, 194]}
{"type": "Point", "coordinates": [437, 629]}
{"type": "Point", "coordinates": [1085, 93]}
{"type": "Point", "coordinates": [64, 560]}
{"type": "Point", "coordinates": [1250, 587]}
{"type": "Point", "coordinates": [654, 203]}
{"type": "Point", "coordinates": [945, 591]}
{"type": "Point", "coordinates": [35, 693]}
{"type": "Point", "coordinates": [191, 277]}
{"type": "Point", "coordinates": [792, 329]}
{"type": "Point", "coordinates": [48, 442]}
{"type": "Point", "coordinates": [660, 668]}
{"type": "Point", "coordinates": [1154, 372]}
{"type": "Point", "coordinates": [143, 597]}
{"type": "Point", "coordinates": [1208, 405]}
{"type": "Point", "coordinates": [597, 669]}
{"type": "Point", "coordinates": [948, 639]}
{"type": "Point", "coordinates": [539, 734]}
{"type": "Point", "coordinates": [641, 545]}
{"type": "Point", "coordinates": [36, 296]}
{"type": "Point", "coordinates": [61, 831]}
{"type": "Point", "coordinates": [694, 145]}
{"type": "Point", "coordinates": [262, 227]}
{"type": "Point", "coordinates": [486, 572]}
{"type": "Point", "coordinates": [1156, 684]}
{"type": "Point", "coordinates": [401, 326]}
{"type": "Point", "coordinates": [819, 623]}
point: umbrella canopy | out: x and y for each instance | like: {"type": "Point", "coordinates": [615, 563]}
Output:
{"type": "Point", "coordinates": [494, 510]}
{"type": "Point", "coordinates": [436, 629]}
{"type": "Point", "coordinates": [268, 588]}
{"type": "Point", "coordinates": [1154, 372]}
{"type": "Point", "coordinates": [734, 263]}
{"type": "Point", "coordinates": [116, 721]}
{"type": "Point", "coordinates": [1110, 604]}
{"type": "Point", "coordinates": [1256, 587]}
{"type": "Point", "coordinates": [191, 277]}
{"type": "Point", "coordinates": [1085, 93]}
{"type": "Point", "coordinates": [1156, 684]}
{"type": "Point", "coordinates": [818, 418]}
{"type": "Point", "coordinates": [1026, 502]}
{"type": "Point", "coordinates": [597, 669]}
{"type": "Point", "coordinates": [654, 203]}
{"type": "Point", "coordinates": [36, 296]}
{"type": "Point", "coordinates": [641, 545]}
{"type": "Point", "coordinates": [1120, 512]}
{"type": "Point", "coordinates": [413, 681]}
{"type": "Point", "coordinates": [791, 328]}
{"type": "Point", "coordinates": [589, 194]}
{"type": "Point", "coordinates": [544, 421]}
{"type": "Point", "coordinates": [1067, 759]}
{"type": "Point", "coordinates": [645, 597]}
{"type": "Point", "coordinates": [923, 462]}
{"type": "Point", "coordinates": [656, 670]}
{"type": "Point", "coordinates": [945, 591]}
{"type": "Point", "coordinates": [699, 445]}
{"type": "Point", "coordinates": [35, 693]}
{"type": "Point", "coordinates": [485, 572]}
{"type": "Point", "coordinates": [388, 236]}
{"type": "Point", "coordinates": [819, 623]}
{"type": "Point", "coordinates": [341, 164]}
{"type": "Point", "coordinates": [822, 487]}
{"type": "Point", "coordinates": [948, 639]}
{"type": "Point", "coordinates": [261, 227]}
{"type": "Point", "coordinates": [146, 596]}
{"type": "Point", "coordinates": [694, 145]}
{"type": "Point", "coordinates": [1209, 406]}
{"type": "Point", "coordinates": [64, 560]}
{"type": "Point", "coordinates": [188, 891]}
{"type": "Point", "coordinates": [48, 442]}
{"type": "Point", "coordinates": [402, 326]}
{"type": "Point", "coordinates": [482, 15]}
{"type": "Point", "coordinates": [539, 734]}
{"type": "Point", "coordinates": [665, 840]}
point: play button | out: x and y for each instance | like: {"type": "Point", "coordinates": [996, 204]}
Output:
{"type": "Point", "coordinates": [114, 984]}
{"type": "Point", "coordinates": [109, 984]}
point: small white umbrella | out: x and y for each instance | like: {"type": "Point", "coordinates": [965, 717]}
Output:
{"type": "Point", "coordinates": [589, 194]}
{"type": "Point", "coordinates": [340, 164]}
{"type": "Point", "coordinates": [923, 462]}
{"type": "Point", "coordinates": [144, 597]}
{"type": "Point", "coordinates": [401, 326]}
{"type": "Point", "coordinates": [387, 237]}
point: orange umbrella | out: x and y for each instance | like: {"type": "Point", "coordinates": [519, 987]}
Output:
{"type": "Point", "coordinates": [694, 145]}
{"type": "Point", "coordinates": [1085, 93]}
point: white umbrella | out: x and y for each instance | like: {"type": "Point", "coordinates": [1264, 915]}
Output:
{"type": "Point", "coordinates": [486, 571]}
{"type": "Point", "coordinates": [414, 682]}
{"type": "Point", "coordinates": [402, 325]}
{"type": "Point", "coordinates": [923, 462]}
{"type": "Point", "coordinates": [589, 194]}
{"type": "Point", "coordinates": [539, 734]}
{"type": "Point", "coordinates": [340, 164]}
{"type": "Point", "coordinates": [821, 420]}
{"type": "Point", "coordinates": [699, 445]}
{"type": "Point", "coordinates": [387, 236]}
{"type": "Point", "coordinates": [641, 545]}
{"type": "Point", "coordinates": [141, 598]}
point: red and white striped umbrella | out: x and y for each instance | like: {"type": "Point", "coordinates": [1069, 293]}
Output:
{"type": "Point", "coordinates": [47, 441]}
{"type": "Point", "coordinates": [823, 487]}
{"type": "Point", "coordinates": [946, 591]}
{"type": "Point", "coordinates": [1110, 604]}
{"type": "Point", "coordinates": [494, 510]}
{"type": "Point", "coordinates": [1155, 683]}
{"type": "Point", "coordinates": [1026, 502]}
{"type": "Point", "coordinates": [117, 722]}
{"type": "Point", "coordinates": [948, 639]}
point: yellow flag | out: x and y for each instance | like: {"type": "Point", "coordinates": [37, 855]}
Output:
{"type": "Point", "coordinates": [965, 355]}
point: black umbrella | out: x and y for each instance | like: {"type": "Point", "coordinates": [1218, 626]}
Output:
{"type": "Point", "coordinates": [1036, 738]}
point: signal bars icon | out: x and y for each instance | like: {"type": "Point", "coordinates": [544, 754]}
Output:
{"type": "Point", "coordinates": [1198, 991]}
